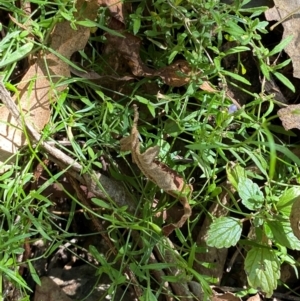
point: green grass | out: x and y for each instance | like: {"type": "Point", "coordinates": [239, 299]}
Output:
{"type": "Point", "coordinates": [199, 135]}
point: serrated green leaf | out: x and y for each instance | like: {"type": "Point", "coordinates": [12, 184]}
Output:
{"type": "Point", "coordinates": [287, 199]}
{"type": "Point", "coordinates": [283, 234]}
{"type": "Point", "coordinates": [250, 194]}
{"type": "Point", "coordinates": [281, 45]}
{"type": "Point", "coordinates": [263, 269]}
{"type": "Point", "coordinates": [224, 232]}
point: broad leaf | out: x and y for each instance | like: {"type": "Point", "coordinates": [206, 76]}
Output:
{"type": "Point", "coordinates": [263, 269]}
{"type": "Point", "coordinates": [224, 232]}
{"type": "Point", "coordinates": [283, 234]}
{"type": "Point", "coordinates": [287, 199]}
{"type": "Point", "coordinates": [250, 194]}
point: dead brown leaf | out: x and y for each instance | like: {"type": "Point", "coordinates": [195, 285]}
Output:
{"type": "Point", "coordinates": [206, 86]}
{"type": "Point", "coordinates": [49, 291]}
{"type": "Point", "coordinates": [254, 298]}
{"type": "Point", "coordinates": [290, 116]}
{"type": "Point", "coordinates": [116, 8]}
{"type": "Point", "coordinates": [291, 28]}
{"type": "Point", "coordinates": [175, 75]}
{"type": "Point", "coordinates": [295, 218]}
{"type": "Point", "coordinates": [225, 297]}
{"type": "Point", "coordinates": [159, 173]}
{"type": "Point", "coordinates": [40, 84]}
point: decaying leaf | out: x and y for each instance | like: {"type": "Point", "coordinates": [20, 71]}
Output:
{"type": "Point", "coordinates": [290, 117]}
{"type": "Point", "coordinates": [295, 218]}
{"type": "Point", "coordinates": [254, 298]}
{"type": "Point", "coordinates": [206, 86]}
{"type": "Point", "coordinates": [159, 173]}
{"type": "Point", "coordinates": [225, 297]}
{"type": "Point", "coordinates": [281, 9]}
{"type": "Point", "coordinates": [116, 8]}
{"type": "Point", "coordinates": [175, 75]}
{"type": "Point", "coordinates": [39, 85]}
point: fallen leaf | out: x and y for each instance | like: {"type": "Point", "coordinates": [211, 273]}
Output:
{"type": "Point", "coordinates": [116, 8]}
{"type": "Point", "coordinates": [225, 297]}
{"type": "Point", "coordinates": [159, 173]}
{"type": "Point", "coordinates": [49, 291]}
{"type": "Point", "coordinates": [290, 117]}
{"type": "Point", "coordinates": [175, 75]}
{"type": "Point", "coordinates": [40, 85]}
{"type": "Point", "coordinates": [254, 298]}
{"type": "Point", "coordinates": [206, 86]}
{"type": "Point", "coordinates": [291, 28]}
{"type": "Point", "coordinates": [295, 218]}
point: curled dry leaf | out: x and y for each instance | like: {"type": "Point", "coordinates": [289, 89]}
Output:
{"type": "Point", "coordinates": [159, 173]}
{"type": "Point", "coordinates": [40, 84]}
{"type": "Point", "coordinates": [290, 117]}
{"type": "Point", "coordinates": [295, 218]}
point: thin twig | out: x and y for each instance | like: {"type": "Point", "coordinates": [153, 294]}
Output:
{"type": "Point", "coordinates": [98, 226]}
{"type": "Point", "coordinates": [100, 185]}
{"type": "Point", "coordinates": [284, 18]}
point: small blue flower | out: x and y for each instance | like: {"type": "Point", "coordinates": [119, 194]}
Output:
{"type": "Point", "coordinates": [232, 108]}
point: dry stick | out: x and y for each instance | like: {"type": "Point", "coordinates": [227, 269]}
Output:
{"type": "Point", "coordinates": [82, 197]}
{"type": "Point", "coordinates": [284, 18]}
{"type": "Point", "coordinates": [180, 287]}
{"type": "Point", "coordinates": [89, 180]}
{"type": "Point", "coordinates": [110, 189]}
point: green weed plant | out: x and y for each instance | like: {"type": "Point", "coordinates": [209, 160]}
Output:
{"type": "Point", "coordinates": [214, 141]}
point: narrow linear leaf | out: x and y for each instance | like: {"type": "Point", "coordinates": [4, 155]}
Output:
{"type": "Point", "coordinates": [237, 77]}
{"type": "Point", "coordinates": [281, 45]}
{"type": "Point", "coordinates": [237, 49]}
{"type": "Point", "coordinates": [101, 203]}
{"type": "Point", "coordinates": [33, 273]}
{"type": "Point", "coordinates": [89, 23]}
{"type": "Point", "coordinates": [17, 55]}
{"type": "Point", "coordinates": [285, 81]}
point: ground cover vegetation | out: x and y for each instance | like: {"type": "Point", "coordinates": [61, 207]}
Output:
{"type": "Point", "coordinates": [175, 159]}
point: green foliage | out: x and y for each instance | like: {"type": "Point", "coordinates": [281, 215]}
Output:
{"type": "Point", "coordinates": [224, 232]}
{"type": "Point", "coordinates": [200, 137]}
{"type": "Point", "coordinates": [263, 269]}
{"type": "Point", "coordinates": [269, 226]}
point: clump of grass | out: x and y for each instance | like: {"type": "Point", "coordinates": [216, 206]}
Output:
{"type": "Point", "coordinates": [201, 135]}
